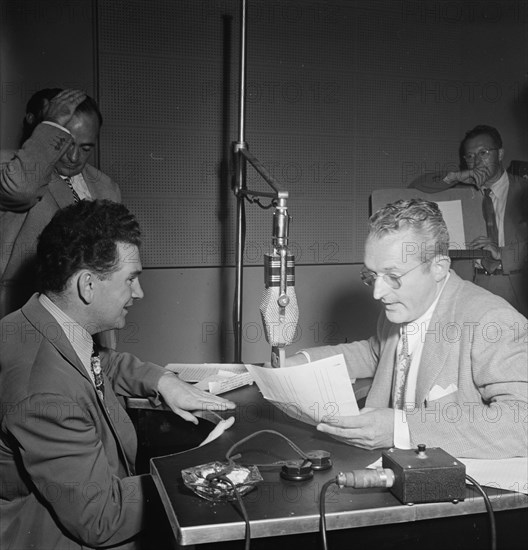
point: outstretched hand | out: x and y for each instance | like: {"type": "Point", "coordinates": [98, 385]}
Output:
{"type": "Point", "coordinates": [370, 429]}
{"type": "Point", "coordinates": [60, 109]}
{"type": "Point", "coordinates": [183, 398]}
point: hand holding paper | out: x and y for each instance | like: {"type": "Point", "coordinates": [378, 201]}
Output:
{"type": "Point", "coordinates": [313, 392]}
{"type": "Point", "coordinates": [371, 429]}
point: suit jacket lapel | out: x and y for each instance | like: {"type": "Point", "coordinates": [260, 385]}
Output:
{"type": "Point", "coordinates": [380, 392]}
{"type": "Point", "coordinates": [39, 317]}
{"type": "Point", "coordinates": [60, 191]}
{"type": "Point", "coordinates": [436, 347]}
{"type": "Point", "coordinates": [512, 214]}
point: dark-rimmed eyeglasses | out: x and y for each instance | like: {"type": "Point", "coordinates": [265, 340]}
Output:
{"type": "Point", "coordinates": [483, 154]}
{"type": "Point", "coordinates": [394, 281]}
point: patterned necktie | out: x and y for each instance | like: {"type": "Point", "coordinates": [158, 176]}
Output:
{"type": "Point", "coordinates": [76, 197]}
{"type": "Point", "coordinates": [489, 264]}
{"type": "Point", "coordinates": [489, 216]}
{"type": "Point", "coordinates": [95, 364]}
{"type": "Point", "coordinates": [401, 372]}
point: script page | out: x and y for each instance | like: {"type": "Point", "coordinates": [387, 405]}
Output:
{"type": "Point", "coordinates": [314, 392]}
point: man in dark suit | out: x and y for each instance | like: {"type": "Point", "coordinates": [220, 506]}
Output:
{"type": "Point", "coordinates": [67, 446]}
{"type": "Point", "coordinates": [48, 172]}
{"type": "Point", "coordinates": [506, 216]}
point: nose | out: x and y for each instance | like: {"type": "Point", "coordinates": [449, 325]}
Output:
{"type": "Point", "coordinates": [470, 162]}
{"type": "Point", "coordinates": [73, 153]}
{"type": "Point", "coordinates": [381, 288]}
{"type": "Point", "coordinates": [137, 291]}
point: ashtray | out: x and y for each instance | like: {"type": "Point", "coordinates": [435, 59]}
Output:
{"type": "Point", "coordinates": [205, 480]}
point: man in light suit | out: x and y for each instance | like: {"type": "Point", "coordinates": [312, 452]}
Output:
{"type": "Point", "coordinates": [67, 446]}
{"type": "Point", "coordinates": [63, 128]}
{"type": "Point", "coordinates": [449, 360]}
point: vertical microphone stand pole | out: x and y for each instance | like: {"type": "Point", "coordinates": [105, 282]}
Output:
{"type": "Point", "coordinates": [278, 196]}
{"type": "Point", "coordinates": [240, 185]}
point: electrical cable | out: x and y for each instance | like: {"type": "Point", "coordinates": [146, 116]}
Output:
{"type": "Point", "coordinates": [247, 540]}
{"type": "Point", "coordinates": [297, 449]}
{"type": "Point", "coordinates": [489, 508]}
{"type": "Point", "coordinates": [322, 512]}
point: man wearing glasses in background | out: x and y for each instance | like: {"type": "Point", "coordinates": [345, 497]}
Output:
{"type": "Point", "coordinates": [505, 212]}
{"type": "Point", "coordinates": [448, 361]}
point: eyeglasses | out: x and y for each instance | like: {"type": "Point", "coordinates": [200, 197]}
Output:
{"type": "Point", "coordinates": [483, 154]}
{"type": "Point", "coordinates": [394, 281]}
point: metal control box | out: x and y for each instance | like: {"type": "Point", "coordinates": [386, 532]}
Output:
{"type": "Point", "coordinates": [425, 475]}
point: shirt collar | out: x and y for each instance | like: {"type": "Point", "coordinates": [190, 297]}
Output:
{"type": "Point", "coordinates": [80, 339]}
{"type": "Point", "coordinates": [500, 187]}
{"type": "Point", "coordinates": [424, 319]}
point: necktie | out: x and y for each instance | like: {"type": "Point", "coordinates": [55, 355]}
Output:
{"type": "Point", "coordinates": [95, 364]}
{"type": "Point", "coordinates": [76, 197]}
{"type": "Point", "coordinates": [401, 372]}
{"type": "Point", "coordinates": [489, 216]}
{"type": "Point", "coordinates": [489, 264]}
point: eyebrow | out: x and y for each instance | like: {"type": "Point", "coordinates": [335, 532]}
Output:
{"type": "Point", "coordinates": [386, 270]}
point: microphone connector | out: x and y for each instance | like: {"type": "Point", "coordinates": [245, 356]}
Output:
{"type": "Point", "coordinates": [365, 478]}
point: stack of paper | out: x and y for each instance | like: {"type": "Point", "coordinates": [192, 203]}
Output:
{"type": "Point", "coordinates": [213, 377]}
{"type": "Point", "coordinates": [313, 392]}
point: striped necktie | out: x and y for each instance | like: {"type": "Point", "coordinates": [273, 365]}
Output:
{"type": "Point", "coordinates": [488, 211]}
{"type": "Point", "coordinates": [489, 216]}
{"type": "Point", "coordinates": [76, 197]}
{"type": "Point", "coordinates": [95, 364]}
{"type": "Point", "coordinates": [401, 372]}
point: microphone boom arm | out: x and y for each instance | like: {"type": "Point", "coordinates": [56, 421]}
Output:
{"type": "Point", "coordinates": [280, 232]}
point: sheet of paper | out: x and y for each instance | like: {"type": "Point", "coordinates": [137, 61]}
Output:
{"type": "Point", "coordinates": [194, 372]}
{"type": "Point", "coordinates": [510, 474]}
{"type": "Point", "coordinates": [218, 430]}
{"type": "Point", "coordinates": [314, 392]}
{"type": "Point", "coordinates": [452, 213]}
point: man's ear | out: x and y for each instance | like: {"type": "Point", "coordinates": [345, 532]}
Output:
{"type": "Point", "coordinates": [85, 286]}
{"type": "Point", "coordinates": [440, 266]}
{"type": "Point", "coordinates": [501, 154]}
{"type": "Point", "coordinates": [30, 118]}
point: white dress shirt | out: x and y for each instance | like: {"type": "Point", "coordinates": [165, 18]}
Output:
{"type": "Point", "coordinates": [416, 331]}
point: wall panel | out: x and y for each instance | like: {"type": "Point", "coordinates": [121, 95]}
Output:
{"type": "Point", "coordinates": [343, 97]}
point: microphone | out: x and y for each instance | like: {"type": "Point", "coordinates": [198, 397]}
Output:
{"type": "Point", "coordinates": [278, 308]}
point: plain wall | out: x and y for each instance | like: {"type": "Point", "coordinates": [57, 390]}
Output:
{"type": "Point", "coordinates": [44, 44]}
{"type": "Point", "coordinates": [179, 320]}
{"type": "Point", "coordinates": [186, 313]}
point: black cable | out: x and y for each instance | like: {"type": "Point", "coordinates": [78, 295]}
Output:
{"type": "Point", "coordinates": [247, 540]}
{"type": "Point", "coordinates": [489, 508]}
{"type": "Point", "coordinates": [322, 512]}
{"type": "Point", "coordinates": [299, 451]}
{"type": "Point", "coordinates": [259, 203]}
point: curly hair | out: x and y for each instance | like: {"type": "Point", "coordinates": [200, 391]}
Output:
{"type": "Point", "coordinates": [84, 235]}
{"type": "Point", "coordinates": [422, 217]}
